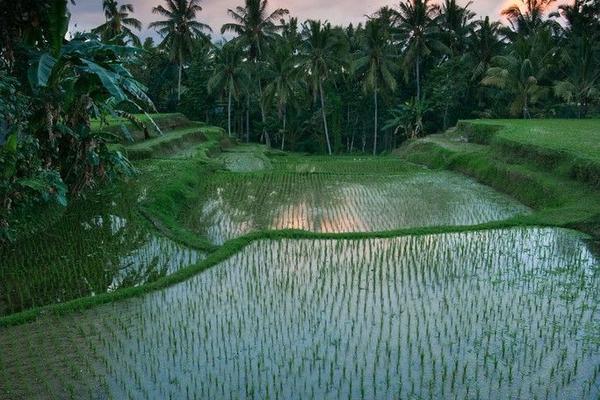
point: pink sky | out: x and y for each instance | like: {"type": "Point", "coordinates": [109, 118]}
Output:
{"type": "Point", "coordinates": [88, 13]}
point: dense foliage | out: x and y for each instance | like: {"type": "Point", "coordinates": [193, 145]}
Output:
{"type": "Point", "coordinates": [51, 89]}
{"type": "Point", "coordinates": [409, 70]}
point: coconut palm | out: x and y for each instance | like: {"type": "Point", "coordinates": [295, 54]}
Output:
{"type": "Point", "coordinates": [118, 23]}
{"type": "Point", "coordinates": [456, 23]}
{"type": "Point", "coordinates": [522, 69]}
{"type": "Point", "coordinates": [582, 83]}
{"type": "Point", "coordinates": [417, 26]}
{"type": "Point", "coordinates": [484, 44]}
{"type": "Point", "coordinates": [376, 65]}
{"type": "Point", "coordinates": [321, 56]}
{"type": "Point", "coordinates": [526, 16]}
{"type": "Point", "coordinates": [254, 25]}
{"type": "Point", "coordinates": [283, 77]}
{"type": "Point", "coordinates": [229, 76]}
{"type": "Point", "coordinates": [179, 30]}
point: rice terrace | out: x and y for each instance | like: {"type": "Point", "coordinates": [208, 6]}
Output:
{"type": "Point", "coordinates": [397, 202]}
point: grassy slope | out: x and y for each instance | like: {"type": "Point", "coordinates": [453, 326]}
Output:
{"type": "Point", "coordinates": [536, 174]}
{"type": "Point", "coordinates": [579, 138]}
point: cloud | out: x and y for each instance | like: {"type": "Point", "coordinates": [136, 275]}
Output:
{"type": "Point", "coordinates": [88, 13]}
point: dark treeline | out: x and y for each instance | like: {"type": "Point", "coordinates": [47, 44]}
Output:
{"type": "Point", "coordinates": [407, 70]}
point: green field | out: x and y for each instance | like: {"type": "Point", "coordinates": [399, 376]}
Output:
{"type": "Point", "coordinates": [579, 138]}
{"type": "Point", "coordinates": [234, 271]}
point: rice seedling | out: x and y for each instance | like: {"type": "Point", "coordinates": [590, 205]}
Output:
{"type": "Point", "coordinates": [237, 204]}
{"type": "Point", "coordinates": [461, 315]}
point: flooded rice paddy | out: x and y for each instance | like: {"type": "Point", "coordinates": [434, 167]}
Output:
{"type": "Point", "coordinates": [498, 314]}
{"type": "Point", "coordinates": [240, 203]}
{"type": "Point", "coordinates": [87, 252]}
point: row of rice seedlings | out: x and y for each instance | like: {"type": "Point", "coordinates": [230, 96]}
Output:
{"type": "Point", "coordinates": [81, 257]}
{"type": "Point", "coordinates": [472, 315]}
{"type": "Point", "coordinates": [344, 165]}
{"type": "Point", "coordinates": [238, 204]}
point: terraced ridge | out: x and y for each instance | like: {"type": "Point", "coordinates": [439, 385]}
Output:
{"type": "Point", "coordinates": [541, 163]}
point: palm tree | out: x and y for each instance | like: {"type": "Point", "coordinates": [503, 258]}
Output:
{"type": "Point", "coordinates": [456, 24]}
{"type": "Point", "coordinates": [525, 18]}
{"type": "Point", "coordinates": [322, 47]}
{"type": "Point", "coordinates": [179, 30]}
{"type": "Point", "coordinates": [417, 25]}
{"type": "Point", "coordinates": [580, 53]}
{"type": "Point", "coordinates": [254, 25]}
{"type": "Point", "coordinates": [582, 61]}
{"type": "Point", "coordinates": [282, 75]}
{"type": "Point", "coordinates": [118, 23]}
{"type": "Point", "coordinates": [484, 44]}
{"type": "Point", "coordinates": [376, 64]}
{"type": "Point", "coordinates": [521, 71]}
{"type": "Point", "coordinates": [230, 75]}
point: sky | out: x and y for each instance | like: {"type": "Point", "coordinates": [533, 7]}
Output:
{"type": "Point", "coordinates": [88, 13]}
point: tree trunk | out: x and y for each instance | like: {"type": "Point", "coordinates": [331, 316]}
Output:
{"type": "Point", "coordinates": [265, 134]}
{"type": "Point", "coordinates": [179, 83]}
{"type": "Point", "coordinates": [526, 108]}
{"type": "Point", "coordinates": [248, 119]}
{"type": "Point", "coordinates": [418, 67]}
{"type": "Point", "coordinates": [284, 126]}
{"type": "Point", "coordinates": [324, 118]}
{"type": "Point", "coordinates": [229, 113]}
{"type": "Point", "coordinates": [375, 123]}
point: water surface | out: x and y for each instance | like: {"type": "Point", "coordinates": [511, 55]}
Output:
{"type": "Point", "coordinates": [496, 314]}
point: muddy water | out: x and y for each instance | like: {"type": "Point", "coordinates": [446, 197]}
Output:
{"type": "Point", "coordinates": [497, 314]}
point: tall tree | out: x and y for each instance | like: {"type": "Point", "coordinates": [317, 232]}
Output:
{"type": "Point", "coordinates": [119, 23]}
{"type": "Point", "coordinates": [282, 75]}
{"type": "Point", "coordinates": [321, 56]}
{"type": "Point", "coordinates": [376, 64]}
{"type": "Point", "coordinates": [229, 76]}
{"type": "Point", "coordinates": [456, 23]}
{"type": "Point", "coordinates": [418, 28]}
{"type": "Point", "coordinates": [526, 16]}
{"type": "Point", "coordinates": [254, 25]}
{"type": "Point", "coordinates": [580, 54]}
{"type": "Point", "coordinates": [484, 44]}
{"type": "Point", "coordinates": [522, 70]}
{"type": "Point", "coordinates": [179, 30]}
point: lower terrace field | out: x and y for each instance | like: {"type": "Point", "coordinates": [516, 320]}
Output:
{"type": "Point", "coordinates": [498, 314]}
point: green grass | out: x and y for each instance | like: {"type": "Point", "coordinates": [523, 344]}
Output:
{"type": "Point", "coordinates": [165, 122]}
{"type": "Point", "coordinates": [329, 319]}
{"type": "Point", "coordinates": [570, 148]}
{"type": "Point", "coordinates": [580, 138]}
{"type": "Point", "coordinates": [171, 142]}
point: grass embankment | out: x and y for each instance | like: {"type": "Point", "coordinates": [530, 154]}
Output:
{"type": "Point", "coordinates": [165, 122]}
{"type": "Point", "coordinates": [529, 161]}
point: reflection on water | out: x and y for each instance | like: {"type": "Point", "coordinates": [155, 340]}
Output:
{"type": "Point", "coordinates": [333, 203]}
{"type": "Point", "coordinates": [85, 255]}
{"type": "Point", "coordinates": [506, 314]}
